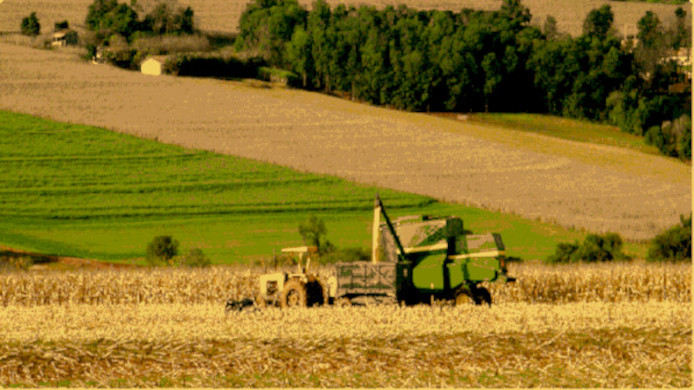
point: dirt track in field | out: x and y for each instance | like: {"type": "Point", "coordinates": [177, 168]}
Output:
{"type": "Point", "coordinates": [599, 188]}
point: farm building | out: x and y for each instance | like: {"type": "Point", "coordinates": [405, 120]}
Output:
{"type": "Point", "coordinates": [153, 65]}
{"type": "Point", "coordinates": [65, 37]}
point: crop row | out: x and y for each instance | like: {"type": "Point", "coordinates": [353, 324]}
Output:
{"type": "Point", "coordinates": [571, 345]}
{"type": "Point", "coordinates": [536, 283]}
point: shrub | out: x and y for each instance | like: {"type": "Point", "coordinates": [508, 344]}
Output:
{"type": "Point", "coordinates": [30, 25]}
{"type": "Point", "coordinates": [672, 138]}
{"type": "Point", "coordinates": [313, 233]}
{"type": "Point", "coordinates": [563, 253]}
{"type": "Point", "coordinates": [16, 262]}
{"type": "Point", "coordinates": [57, 26]}
{"type": "Point", "coordinates": [207, 65]}
{"type": "Point", "coordinates": [194, 258]}
{"type": "Point", "coordinates": [171, 44]}
{"type": "Point", "coordinates": [162, 249]}
{"type": "Point", "coordinates": [674, 244]}
{"type": "Point", "coordinates": [595, 248]}
{"type": "Point", "coordinates": [276, 75]}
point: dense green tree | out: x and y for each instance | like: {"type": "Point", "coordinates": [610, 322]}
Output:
{"type": "Point", "coordinates": [550, 28]}
{"type": "Point", "coordinates": [107, 17]}
{"type": "Point", "coordinates": [313, 232]}
{"type": "Point", "coordinates": [375, 65]}
{"type": "Point", "coordinates": [516, 15]}
{"type": "Point", "coordinates": [267, 25]}
{"type": "Point", "coordinates": [96, 12]}
{"type": "Point", "coordinates": [162, 250]}
{"type": "Point", "coordinates": [492, 77]}
{"type": "Point", "coordinates": [681, 34]}
{"type": "Point", "coordinates": [651, 43]}
{"type": "Point", "coordinates": [470, 60]}
{"type": "Point", "coordinates": [299, 55]}
{"type": "Point", "coordinates": [30, 25]}
{"type": "Point", "coordinates": [598, 22]}
{"type": "Point", "coordinates": [322, 36]}
{"type": "Point", "coordinates": [168, 18]}
{"type": "Point", "coordinates": [674, 244]}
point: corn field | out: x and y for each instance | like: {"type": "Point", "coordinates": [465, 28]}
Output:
{"type": "Point", "coordinates": [602, 325]}
{"type": "Point", "coordinates": [627, 282]}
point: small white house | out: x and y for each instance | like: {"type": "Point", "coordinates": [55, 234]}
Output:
{"type": "Point", "coordinates": [153, 65]}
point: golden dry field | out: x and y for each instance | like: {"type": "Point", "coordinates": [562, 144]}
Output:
{"type": "Point", "coordinates": [538, 284]}
{"type": "Point", "coordinates": [569, 326]}
{"type": "Point", "coordinates": [223, 15]}
{"type": "Point", "coordinates": [595, 187]}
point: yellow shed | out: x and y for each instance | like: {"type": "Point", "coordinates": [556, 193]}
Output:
{"type": "Point", "coordinates": [153, 65]}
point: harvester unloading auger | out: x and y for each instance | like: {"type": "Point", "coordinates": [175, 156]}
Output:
{"type": "Point", "coordinates": [415, 259]}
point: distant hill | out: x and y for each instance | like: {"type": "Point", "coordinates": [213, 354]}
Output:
{"type": "Point", "coordinates": [223, 15]}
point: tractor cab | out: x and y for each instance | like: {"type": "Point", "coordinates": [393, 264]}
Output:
{"type": "Point", "coordinates": [299, 288]}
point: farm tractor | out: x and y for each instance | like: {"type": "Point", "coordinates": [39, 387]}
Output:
{"type": "Point", "coordinates": [417, 259]}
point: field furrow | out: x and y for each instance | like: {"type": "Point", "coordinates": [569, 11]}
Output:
{"type": "Point", "coordinates": [594, 187]}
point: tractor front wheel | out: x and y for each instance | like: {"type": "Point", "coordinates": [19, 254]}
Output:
{"type": "Point", "coordinates": [294, 294]}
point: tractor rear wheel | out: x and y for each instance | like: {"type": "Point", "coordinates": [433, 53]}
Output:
{"type": "Point", "coordinates": [317, 294]}
{"type": "Point", "coordinates": [294, 294]}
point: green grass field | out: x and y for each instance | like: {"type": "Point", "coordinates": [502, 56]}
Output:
{"type": "Point", "coordinates": [566, 128]}
{"type": "Point", "coordinates": [81, 191]}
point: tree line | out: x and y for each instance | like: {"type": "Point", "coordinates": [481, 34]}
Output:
{"type": "Point", "coordinates": [493, 61]}
{"type": "Point", "coordinates": [108, 18]}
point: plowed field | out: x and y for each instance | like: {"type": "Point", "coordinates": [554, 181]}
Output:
{"type": "Point", "coordinates": [223, 15]}
{"type": "Point", "coordinates": [596, 187]}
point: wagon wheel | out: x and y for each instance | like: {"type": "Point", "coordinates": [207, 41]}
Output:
{"type": "Point", "coordinates": [481, 295]}
{"type": "Point", "coordinates": [294, 294]}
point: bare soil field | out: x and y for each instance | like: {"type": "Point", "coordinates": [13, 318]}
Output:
{"type": "Point", "coordinates": [595, 187]}
{"type": "Point", "coordinates": [223, 15]}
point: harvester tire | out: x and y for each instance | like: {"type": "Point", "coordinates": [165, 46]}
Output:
{"type": "Point", "coordinates": [481, 295]}
{"type": "Point", "coordinates": [294, 294]}
{"type": "Point", "coordinates": [463, 297]}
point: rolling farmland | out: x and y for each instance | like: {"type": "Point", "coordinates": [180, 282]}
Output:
{"type": "Point", "coordinates": [86, 191]}
{"type": "Point", "coordinates": [593, 187]}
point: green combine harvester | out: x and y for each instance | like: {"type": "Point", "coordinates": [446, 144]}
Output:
{"type": "Point", "coordinates": [414, 260]}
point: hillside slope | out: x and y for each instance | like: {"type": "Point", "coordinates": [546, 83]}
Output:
{"type": "Point", "coordinates": [595, 187]}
